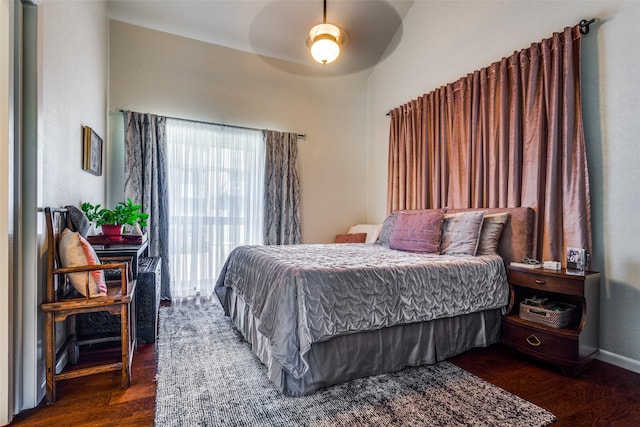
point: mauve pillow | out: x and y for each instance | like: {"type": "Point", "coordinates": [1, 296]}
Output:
{"type": "Point", "coordinates": [351, 238]}
{"type": "Point", "coordinates": [492, 227]}
{"type": "Point", "coordinates": [418, 231]}
{"type": "Point", "coordinates": [460, 233]}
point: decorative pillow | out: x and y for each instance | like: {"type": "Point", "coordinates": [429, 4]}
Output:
{"type": "Point", "coordinates": [75, 251]}
{"type": "Point", "coordinates": [372, 231]}
{"type": "Point", "coordinates": [460, 233]}
{"type": "Point", "coordinates": [418, 231]}
{"type": "Point", "coordinates": [492, 227]}
{"type": "Point", "coordinates": [79, 220]}
{"type": "Point", "coordinates": [351, 238]}
{"type": "Point", "coordinates": [387, 228]}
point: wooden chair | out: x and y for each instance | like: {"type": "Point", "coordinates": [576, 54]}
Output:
{"type": "Point", "coordinates": [63, 302]}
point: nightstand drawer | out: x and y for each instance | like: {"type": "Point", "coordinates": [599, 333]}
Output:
{"type": "Point", "coordinates": [536, 342]}
{"type": "Point", "coordinates": [547, 281]}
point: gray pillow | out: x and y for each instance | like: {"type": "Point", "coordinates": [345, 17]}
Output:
{"type": "Point", "coordinates": [387, 228]}
{"type": "Point", "coordinates": [79, 220]}
{"type": "Point", "coordinates": [460, 233]}
{"type": "Point", "coordinates": [492, 227]}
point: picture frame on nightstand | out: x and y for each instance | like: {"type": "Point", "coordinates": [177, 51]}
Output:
{"type": "Point", "coordinates": [576, 259]}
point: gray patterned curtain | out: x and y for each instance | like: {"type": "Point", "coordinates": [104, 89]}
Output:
{"type": "Point", "coordinates": [145, 182]}
{"type": "Point", "coordinates": [282, 189]}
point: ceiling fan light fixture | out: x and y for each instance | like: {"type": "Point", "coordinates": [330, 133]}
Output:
{"type": "Point", "coordinates": [324, 43]}
{"type": "Point", "coordinates": [325, 38]}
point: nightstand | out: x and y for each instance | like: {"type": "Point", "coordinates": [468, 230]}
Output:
{"type": "Point", "coordinates": [571, 347]}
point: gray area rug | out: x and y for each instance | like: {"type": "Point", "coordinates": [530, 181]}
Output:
{"type": "Point", "coordinates": [208, 376]}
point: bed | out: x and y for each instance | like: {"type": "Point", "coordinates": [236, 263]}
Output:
{"type": "Point", "coordinates": [322, 314]}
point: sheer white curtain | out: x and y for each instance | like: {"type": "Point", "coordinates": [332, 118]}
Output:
{"type": "Point", "coordinates": [216, 187]}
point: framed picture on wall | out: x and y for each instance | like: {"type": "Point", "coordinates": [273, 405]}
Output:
{"type": "Point", "coordinates": [92, 151]}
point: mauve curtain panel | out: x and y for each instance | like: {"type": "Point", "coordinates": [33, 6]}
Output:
{"type": "Point", "coordinates": [145, 182]}
{"type": "Point", "coordinates": [508, 135]}
{"type": "Point", "coordinates": [282, 189]}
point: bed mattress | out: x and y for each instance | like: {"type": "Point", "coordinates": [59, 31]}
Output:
{"type": "Point", "coordinates": [301, 295]}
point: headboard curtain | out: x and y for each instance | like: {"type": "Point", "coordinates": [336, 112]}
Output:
{"type": "Point", "coordinates": [508, 135]}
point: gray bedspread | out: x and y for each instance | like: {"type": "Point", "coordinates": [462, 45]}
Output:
{"type": "Point", "coordinates": [303, 294]}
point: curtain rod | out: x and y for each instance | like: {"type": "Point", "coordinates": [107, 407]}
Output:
{"type": "Point", "coordinates": [302, 136]}
{"type": "Point", "coordinates": [584, 29]}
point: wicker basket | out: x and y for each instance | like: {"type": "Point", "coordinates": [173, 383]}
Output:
{"type": "Point", "coordinates": [553, 314]}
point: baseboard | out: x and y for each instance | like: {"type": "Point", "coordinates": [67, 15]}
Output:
{"type": "Point", "coordinates": [620, 361]}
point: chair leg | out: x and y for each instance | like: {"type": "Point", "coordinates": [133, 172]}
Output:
{"type": "Point", "coordinates": [50, 355]}
{"type": "Point", "coordinates": [126, 346]}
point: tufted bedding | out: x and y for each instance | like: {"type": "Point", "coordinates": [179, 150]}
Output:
{"type": "Point", "coordinates": [306, 294]}
{"type": "Point", "coordinates": [318, 315]}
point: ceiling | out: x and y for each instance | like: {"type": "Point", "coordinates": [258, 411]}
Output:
{"type": "Point", "coordinates": [276, 29]}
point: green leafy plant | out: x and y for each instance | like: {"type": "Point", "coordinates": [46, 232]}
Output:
{"type": "Point", "coordinates": [123, 213]}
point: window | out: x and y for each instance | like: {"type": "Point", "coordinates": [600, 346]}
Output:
{"type": "Point", "coordinates": [216, 176]}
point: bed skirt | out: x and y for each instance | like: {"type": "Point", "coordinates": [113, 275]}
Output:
{"type": "Point", "coordinates": [364, 354]}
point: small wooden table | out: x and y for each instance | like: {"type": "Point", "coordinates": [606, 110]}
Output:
{"type": "Point", "coordinates": [571, 347]}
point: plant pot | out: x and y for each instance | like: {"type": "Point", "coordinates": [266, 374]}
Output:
{"type": "Point", "coordinates": [112, 231]}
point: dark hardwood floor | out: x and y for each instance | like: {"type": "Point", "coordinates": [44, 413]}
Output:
{"type": "Point", "coordinates": [603, 395]}
{"type": "Point", "coordinates": [98, 400]}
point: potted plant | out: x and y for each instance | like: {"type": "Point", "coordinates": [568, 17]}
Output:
{"type": "Point", "coordinates": [112, 220]}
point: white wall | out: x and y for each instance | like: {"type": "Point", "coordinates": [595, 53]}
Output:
{"type": "Point", "coordinates": [74, 93]}
{"type": "Point", "coordinates": [159, 73]}
{"type": "Point", "coordinates": [444, 40]}
{"type": "Point", "coordinates": [71, 92]}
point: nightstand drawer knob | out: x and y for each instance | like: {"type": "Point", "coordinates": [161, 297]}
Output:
{"type": "Point", "coordinates": [534, 341]}
{"type": "Point", "coordinates": [540, 282]}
